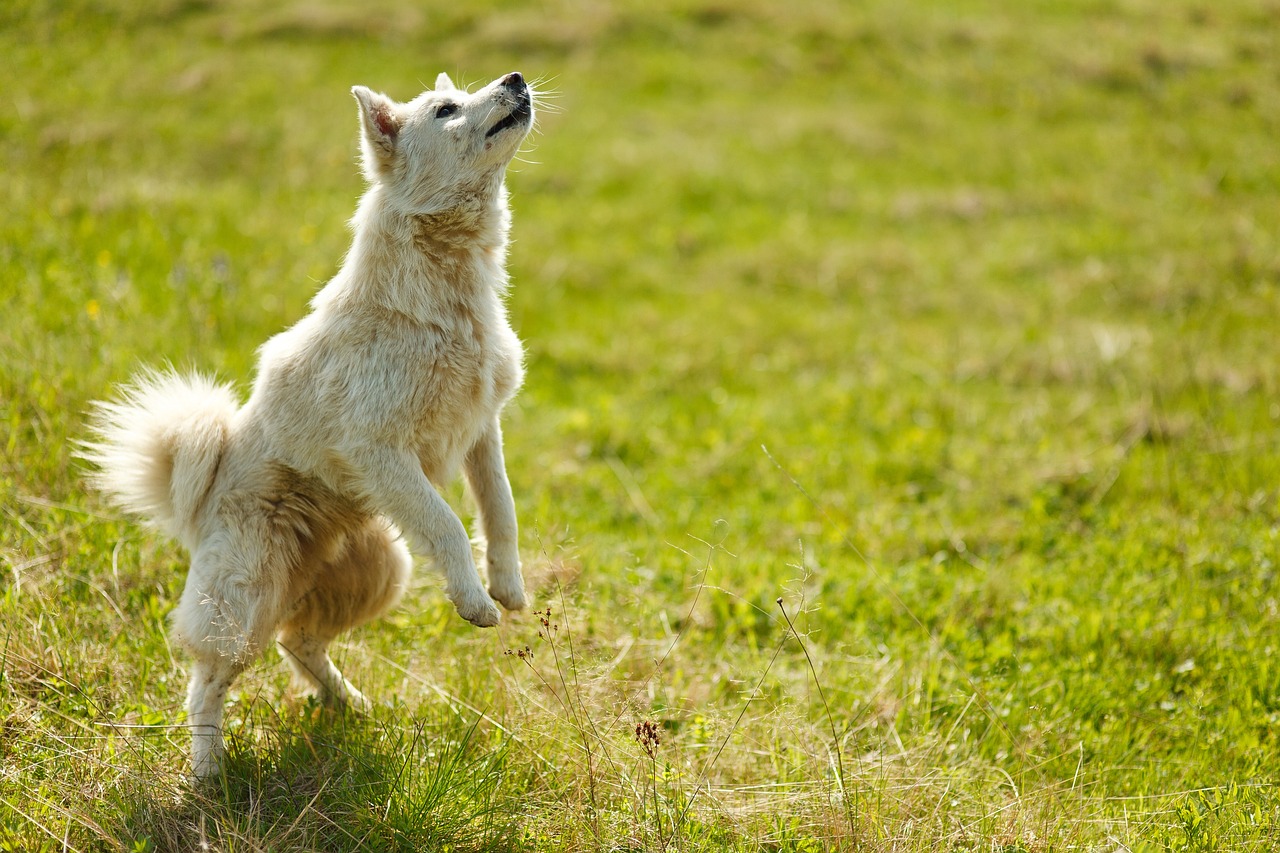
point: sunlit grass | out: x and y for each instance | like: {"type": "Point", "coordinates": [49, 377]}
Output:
{"type": "Point", "coordinates": [954, 325]}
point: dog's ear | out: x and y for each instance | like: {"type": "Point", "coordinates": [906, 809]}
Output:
{"type": "Point", "coordinates": [443, 83]}
{"type": "Point", "coordinates": [380, 128]}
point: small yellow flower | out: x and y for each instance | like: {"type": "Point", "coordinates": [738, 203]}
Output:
{"type": "Point", "coordinates": [91, 308]}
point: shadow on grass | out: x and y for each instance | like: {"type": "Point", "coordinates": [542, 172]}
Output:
{"type": "Point", "coordinates": [330, 781]}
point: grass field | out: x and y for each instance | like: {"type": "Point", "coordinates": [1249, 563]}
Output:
{"type": "Point", "coordinates": [953, 326]}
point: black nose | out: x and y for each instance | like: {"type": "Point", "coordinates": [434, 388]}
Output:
{"type": "Point", "coordinates": [514, 80]}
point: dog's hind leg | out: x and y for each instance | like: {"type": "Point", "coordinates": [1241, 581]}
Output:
{"type": "Point", "coordinates": [365, 578]}
{"type": "Point", "coordinates": [210, 679]}
{"type": "Point", "coordinates": [229, 608]}
{"type": "Point", "coordinates": [308, 657]}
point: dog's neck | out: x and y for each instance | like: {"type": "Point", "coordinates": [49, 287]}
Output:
{"type": "Point", "coordinates": [477, 222]}
{"type": "Point", "coordinates": [416, 263]}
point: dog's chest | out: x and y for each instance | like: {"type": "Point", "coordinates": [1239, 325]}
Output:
{"type": "Point", "coordinates": [463, 368]}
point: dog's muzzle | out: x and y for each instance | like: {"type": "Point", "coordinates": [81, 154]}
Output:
{"type": "Point", "coordinates": [520, 115]}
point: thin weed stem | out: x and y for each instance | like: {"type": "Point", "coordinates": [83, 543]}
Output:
{"type": "Point", "coordinates": [835, 738]}
{"type": "Point", "coordinates": [688, 620]}
{"type": "Point", "coordinates": [649, 739]}
{"type": "Point", "coordinates": [711, 762]}
{"type": "Point", "coordinates": [577, 686]}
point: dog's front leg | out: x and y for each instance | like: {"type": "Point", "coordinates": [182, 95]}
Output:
{"type": "Point", "coordinates": [395, 484]}
{"type": "Point", "coordinates": [487, 476]}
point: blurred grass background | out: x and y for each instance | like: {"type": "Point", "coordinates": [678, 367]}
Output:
{"type": "Point", "coordinates": [996, 285]}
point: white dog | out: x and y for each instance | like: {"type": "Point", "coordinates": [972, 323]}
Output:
{"type": "Point", "coordinates": [290, 504]}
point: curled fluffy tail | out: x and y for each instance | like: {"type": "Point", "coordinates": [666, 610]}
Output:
{"type": "Point", "coordinates": [157, 448]}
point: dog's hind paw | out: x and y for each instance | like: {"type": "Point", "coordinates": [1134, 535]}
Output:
{"type": "Point", "coordinates": [345, 697]}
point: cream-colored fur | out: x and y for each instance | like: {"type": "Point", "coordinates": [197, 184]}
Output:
{"type": "Point", "coordinates": [291, 505]}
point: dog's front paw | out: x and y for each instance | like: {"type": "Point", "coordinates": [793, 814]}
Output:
{"type": "Point", "coordinates": [507, 587]}
{"type": "Point", "coordinates": [477, 608]}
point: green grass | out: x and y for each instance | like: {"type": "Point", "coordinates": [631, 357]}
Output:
{"type": "Point", "coordinates": [953, 324]}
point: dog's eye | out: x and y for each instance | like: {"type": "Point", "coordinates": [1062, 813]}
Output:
{"type": "Point", "coordinates": [446, 110]}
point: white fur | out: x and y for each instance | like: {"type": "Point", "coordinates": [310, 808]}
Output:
{"type": "Point", "coordinates": [291, 505]}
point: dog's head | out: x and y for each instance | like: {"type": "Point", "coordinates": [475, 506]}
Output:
{"type": "Point", "coordinates": [447, 145]}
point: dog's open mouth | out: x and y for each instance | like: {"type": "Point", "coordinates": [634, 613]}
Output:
{"type": "Point", "coordinates": [518, 116]}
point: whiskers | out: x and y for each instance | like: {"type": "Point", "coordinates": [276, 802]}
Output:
{"type": "Point", "coordinates": [544, 101]}
{"type": "Point", "coordinates": [544, 97]}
